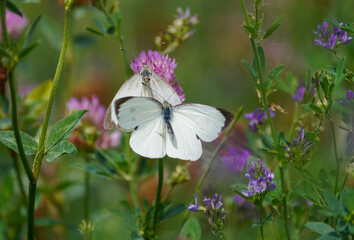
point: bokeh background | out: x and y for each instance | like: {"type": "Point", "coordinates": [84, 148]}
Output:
{"type": "Point", "coordinates": [210, 69]}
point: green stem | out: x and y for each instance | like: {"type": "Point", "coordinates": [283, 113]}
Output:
{"type": "Point", "coordinates": [284, 202]}
{"type": "Point", "coordinates": [158, 195]}
{"type": "Point", "coordinates": [5, 40]}
{"type": "Point", "coordinates": [40, 151]}
{"type": "Point", "coordinates": [336, 156]}
{"type": "Point", "coordinates": [261, 220]}
{"type": "Point", "coordinates": [18, 176]}
{"type": "Point", "coordinates": [16, 128]}
{"type": "Point", "coordinates": [30, 210]}
{"type": "Point", "coordinates": [121, 38]}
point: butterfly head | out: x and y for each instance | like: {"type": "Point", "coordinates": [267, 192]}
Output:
{"type": "Point", "coordinates": [145, 74]}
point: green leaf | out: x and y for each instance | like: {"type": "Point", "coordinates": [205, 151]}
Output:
{"type": "Point", "coordinates": [250, 30]}
{"type": "Point", "coordinates": [25, 51]}
{"type": "Point", "coordinates": [31, 31]}
{"type": "Point", "coordinates": [347, 197]}
{"type": "Point", "coordinates": [273, 27]}
{"type": "Point", "coordinates": [332, 236]}
{"type": "Point", "coordinates": [333, 204]}
{"type": "Point", "coordinates": [94, 31]}
{"type": "Point", "coordinates": [91, 168]}
{"type": "Point", "coordinates": [347, 26]}
{"type": "Point", "coordinates": [275, 72]}
{"type": "Point", "coordinates": [173, 210]}
{"type": "Point", "coordinates": [320, 227]}
{"type": "Point", "coordinates": [339, 72]}
{"type": "Point", "coordinates": [63, 128]}
{"type": "Point", "coordinates": [29, 144]}
{"type": "Point", "coordinates": [262, 58]}
{"type": "Point", "coordinates": [82, 41]}
{"type": "Point", "coordinates": [191, 230]}
{"type": "Point", "coordinates": [252, 71]}
{"type": "Point", "coordinates": [316, 108]}
{"type": "Point", "coordinates": [13, 8]}
{"type": "Point", "coordinates": [99, 25]}
{"type": "Point", "coordinates": [64, 147]}
{"type": "Point", "coordinates": [4, 53]}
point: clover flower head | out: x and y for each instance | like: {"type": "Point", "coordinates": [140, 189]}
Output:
{"type": "Point", "coordinates": [349, 98]}
{"type": "Point", "coordinates": [235, 159]}
{"type": "Point", "coordinates": [260, 179]}
{"type": "Point", "coordinates": [330, 39]}
{"type": "Point", "coordinates": [92, 131]}
{"type": "Point", "coordinates": [15, 25]}
{"type": "Point", "coordinates": [160, 64]}
{"type": "Point", "coordinates": [257, 117]}
{"type": "Point", "coordinates": [298, 148]}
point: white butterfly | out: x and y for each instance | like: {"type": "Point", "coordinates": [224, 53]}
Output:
{"type": "Point", "coordinates": [162, 128]}
{"type": "Point", "coordinates": [146, 84]}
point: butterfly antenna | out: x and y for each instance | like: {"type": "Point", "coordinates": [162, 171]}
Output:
{"type": "Point", "coordinates": [129, 54]}
{"type": "Point", "coordinates": [152, 90]}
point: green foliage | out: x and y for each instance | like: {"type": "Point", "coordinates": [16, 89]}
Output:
{"type": "Point", "coordinates": [29, 144]}
{"type": "Point", "coordinates": [191, 230]}
{"type": "Point", "coordinates": [63, 147]}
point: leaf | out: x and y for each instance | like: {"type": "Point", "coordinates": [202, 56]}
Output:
{"type": "Point", "coordinates": [269, 217]}
{"type": "Point", "coordinates": [316, 108]}
{"type": "Point", "coordinates": [320, 227]}
{"type": "Point", "coordinates": [191, 230]}
{"type": "Point", "coordinates": [332, 236]}
{"type": "Point", "coordinates": [251, 70]}
{"type": "Point", "coordinates": [83, 40]}
{"type": "Point", "coordinates": [262, 58]}
{"type": "Point", "coordinates": [40, 92]}
{"type": "Point", "coordinates": [347, 197]}
{"type": "Point", "coordinates": [339, 73]}
{"type": "Point", "coordinates": [29, 144]}
{"type": "Point", "coordinates": [173, 211]}
{"type": "Point", "coordinates": [99, 25]}
{"type": "Point", "coordinates": [94, 31]}
{"type": "Point", "coordinates": [63, 128]}
{"type": "Point", "coordinates": [275, 72]}
{"type": "Point", "coordinates": [25, 51]}
{"type": "Point", "coordinates": [4, 53]}
{"type": "Point", "coordinates": [273, 27]}
{"type": "Point", "coordinates": [64, 147]}
{"type": "Point", "coordinates": [31, 31]}
{"type": "Point", "coordinates": [13, 8]}
{"type": "Point", "coordinates": [333, 204]}
{"type": "Point", "coordinates": [91, 168]}
{"type": "Point", "coordinates": [250, 30]}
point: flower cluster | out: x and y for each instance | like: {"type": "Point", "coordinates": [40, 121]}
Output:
{"type": "Point", "coordinates": [161, 65]}
{"type": "Point", "coordinates": [260, 179]}
{"type": "Point", "coordinates": [330, 39]}
{"type": "Point", "coordinates": [257, 117]}
{"type": "Point", "coordinates": [15, 24]}
{"type": "Point", "coordinates": [235, 159]}
{"type": "Point", "coordinates": [298, 148]}
{"type": "Point", "coordinates": [349, 98]}
{"type": "Point", "coordinates": [214, 211]}
{"type": "Point", "coordinates": [179, 175]}
{"type": "Point", "coordinates": [303, 90]}
{"type": "Point", "coordinates": [91, 131]}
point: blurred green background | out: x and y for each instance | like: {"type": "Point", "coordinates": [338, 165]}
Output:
{"type": "Point", "coordinates": [210, 69]}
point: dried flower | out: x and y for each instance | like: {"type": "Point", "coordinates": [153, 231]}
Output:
{"type": "Point", "coordinates": [213, 210]}
{"type": "Point", "coordinates": [235, 159]}
{"type": "Point", "coordinates": [330, 39]}
{"type": "Point", "coordinates": [349, 98]}
{"type": "Point", "coordinates": [298, 148]}
{"type": "Point", "coordinates": [91, 127]}
{"type": "Point", "coordinates": [15, 25]}
{"type": "Point", "coordinates": [162, 65]}
{"type": "Point", "coordinates": [303, 90]}
{"type": "Point", "coordinates": [179, 175]}
{"type": "Point", "coordinates": [257, 117]}
{"type": "Point", "coordinates": [260, 179]}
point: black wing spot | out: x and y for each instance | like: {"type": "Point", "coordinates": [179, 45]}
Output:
{"type": "Point", "coordinates": [136, 128]}
{"type": "Point", "coordinates": [197, 137]}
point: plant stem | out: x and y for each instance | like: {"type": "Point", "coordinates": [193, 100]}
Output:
{"type": "Point", "coordinates": [128, 71]}
{"type": "Point", "coordinates": [284, 201]}
{"type": "Point", "coordinates": [158, 195]}
{"type": "Point", "coordinates": [30, 210]}
{"type": "Point", "coordinates": [18, 176]}
{"type": "Point", "coordinates": [40, 151]}
{"type": "Point", "coordinates": [261, 220]}
{"type": "Point", "coordinates": [336, 156]}
{"type": "Point", "coordinates": [3, 23]}
{"type": "Point", "coordinates": [16, 128]}
{"type": "Point", "coordinates": [132, 187]}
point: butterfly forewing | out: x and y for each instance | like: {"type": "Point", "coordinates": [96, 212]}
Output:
{"type": "Point", "coordinates": [162, 91]}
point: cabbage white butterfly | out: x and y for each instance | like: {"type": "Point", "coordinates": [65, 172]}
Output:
{"type": "Point", "coordinates": [161, 128]}
{"type": "Point", "coordinates": [146, 83]}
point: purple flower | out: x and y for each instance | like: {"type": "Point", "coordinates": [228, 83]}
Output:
{"type": "Point", "coordinates": [298, 148]}
{"type": "Point", "coordinates": [161, 65]}
{"type": "Point", "coordinates": [93, 123]}
{"type": "Point", "coordinates": [301, 91]}
{"type": "Point", "coordinates": [330, 38]}
{"type": "Point", "coordinates": [194, 207]}
{"type": "Point", "coordinates": [257, 117]}
{"type": "Point", "coordinates": [348, 99]}
{"type": "Point", "coordinates": [236, 158]}
{"type": "Point", "coordinates": [14, 25]}
{"type": "Point", "coordinates": [260, 179]}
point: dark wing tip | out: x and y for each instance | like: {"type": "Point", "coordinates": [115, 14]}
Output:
{"type": "Point", "coordinates": [229, 117]}
{"type": "Point", "coordinates": [108, 124]}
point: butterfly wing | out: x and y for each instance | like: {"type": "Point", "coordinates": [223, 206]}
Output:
{"type": "Point", "coordinates": [192, 122]}
{"type": "Point", "coordinates": [144, 115]}
{"type": "Point", "coordinates": [163, 91]}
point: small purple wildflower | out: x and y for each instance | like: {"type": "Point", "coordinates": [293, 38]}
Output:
{"type": "Point", "coordinates": [93, 120]}
{"type": "Point", "coordinates": [257, 117]}
{"type": "Point", "coordinates": [301, 91]}
{"type": "Point", "coordinates": [349, 98]}
{"type": "Point", "coordinates": [329, 39]}
{"type": "Point", "coordinates": [194, 207]}
{"type": "Point", "coordinates": [260, 179]}
{"type": "Point", "coordinates": [14, 25]}
{"type": "Point", "coordinates": [161, 65]}
{"type": "Point", "coordinates": [236, 158]}
{"type": "Point", "coordinates": [298, 148]}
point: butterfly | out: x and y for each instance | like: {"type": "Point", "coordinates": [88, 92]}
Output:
{"type": "Point", "coordinates": [146, 83]}
{"type": "Point", "coordinates": [161, 128]}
